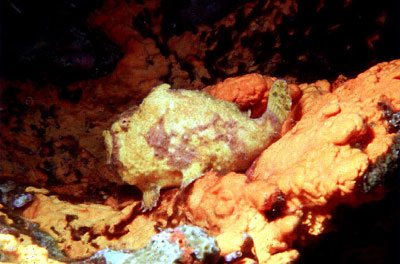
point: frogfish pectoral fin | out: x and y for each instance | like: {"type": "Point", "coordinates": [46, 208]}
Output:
{"type": "Point", "coordinates": [189, 176]}
{"type": "Point", "coordinates": [150, 198]}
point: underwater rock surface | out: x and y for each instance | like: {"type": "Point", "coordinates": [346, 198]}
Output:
{"type": "Point", "coordinates": [339, 144]}
{"type": "Point", "coordinates": [344, 140]}
{"type": "Point", "coordinates": [183, 244]}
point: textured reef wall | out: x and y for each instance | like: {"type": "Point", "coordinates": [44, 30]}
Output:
{"type": "Point", "coordinates": [340, 142]}
{"type": "Point", "coordinates": [61, 201]}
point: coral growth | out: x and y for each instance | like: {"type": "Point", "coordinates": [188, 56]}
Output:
{"type": "Point", "coordinates": [338, 144]}
{"type": "Point", "coordinates": [184, 244]}
{"type": "Point", "coordinates": [341, 139]}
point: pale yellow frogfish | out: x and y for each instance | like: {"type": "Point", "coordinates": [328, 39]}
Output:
{"type": "Point", "coordinates": [174, 136]}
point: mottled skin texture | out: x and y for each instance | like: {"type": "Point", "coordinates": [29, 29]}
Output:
{"type": "Point", "coordinates": [175, 136]}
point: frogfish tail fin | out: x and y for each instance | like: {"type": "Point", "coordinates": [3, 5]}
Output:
{"type": "Point", "coordinates": [279, 100]}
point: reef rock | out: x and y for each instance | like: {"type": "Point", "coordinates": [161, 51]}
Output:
{"type": "Point", "coordinates": [340, 142]}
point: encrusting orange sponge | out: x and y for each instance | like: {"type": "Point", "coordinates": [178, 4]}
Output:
{"type": "Point", "coordinates": [341, 141]}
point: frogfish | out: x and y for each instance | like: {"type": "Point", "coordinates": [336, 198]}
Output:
{"type": "Point", "coordinates": [175, 136]}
